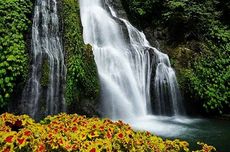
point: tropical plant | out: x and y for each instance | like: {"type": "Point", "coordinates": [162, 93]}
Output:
{"type": "Point", "coordinates": [77, 133]}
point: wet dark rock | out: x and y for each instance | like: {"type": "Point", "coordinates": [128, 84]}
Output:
{"type": "Point", "coordinates": [117, 5]}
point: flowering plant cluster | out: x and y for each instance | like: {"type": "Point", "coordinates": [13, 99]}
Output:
{"type": "Point", "coordinates": [68, 133]}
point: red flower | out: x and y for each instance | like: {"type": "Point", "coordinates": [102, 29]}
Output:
{"type": "Point", "coordinates": [6, 149]}
{"type": "Point", "coordinates": [75, 120]}
{"type": "Point", "coordinates": [120, 122]}
{"type": "Point", "coordinates": [92, 134]}
{"type": "Point", "coordinates": [18, 123]}
{"type": "Point", "coordinates": [148, 133]}
{"type": "Point", "coordinates": [9, 139]}
{"type": "Point", "coordinates": [68, 147]}
{"type": "Point", "coordinates": [94, 126]}
{"type": "Point", "coordinates": [102, 128]}
{"type": "Point", "coordinates": [74, 128]}
{"type": "Point", "coordinates": [60, 141]}
{"type": "Point", "coordinates": [93, 150]}
{"type": "Point", "coordinates": [54, 122]}
{"type": "Point", "coordinates": [109, 135]}
{"type": "Point", "coordinates": [27, 133]}
{"type": "Point", "coordinates": [41, 148]}
{"type": "Point", "coordinates": [21, 141]}
{"type": "Point", "coordinates": [120, 135]}
{"type": "Point", "coordinates": [75, 147]}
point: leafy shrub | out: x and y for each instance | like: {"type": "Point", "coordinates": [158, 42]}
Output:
{"type": "Point", "coordinates": [77, 133]}
{"type": "Point", "coordinates": [210, 77]}
{"type": "Point", "coordinates": [190, 19]}
{"type": "Point", "coordinates": [140, 11]}
{"type": "Point", "coordinates": [13, 57]}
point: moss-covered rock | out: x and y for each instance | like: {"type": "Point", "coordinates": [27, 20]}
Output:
{"type": "Point", "coordinates": [82, 82]}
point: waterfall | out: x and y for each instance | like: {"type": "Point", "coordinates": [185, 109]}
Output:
{"type": "Point", "coordinates": [167, 94]}
{"type": "Point", "coordinates": [47, 51]}
{"type": "Point", "coordinates": [125, 65]}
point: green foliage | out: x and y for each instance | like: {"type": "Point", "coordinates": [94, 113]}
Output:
{"type": "Point", "coordinates": [184, 19]}
{"type": "Point", "coordinates": [219, 33]}
{"type": "Point", "coordinates": [210, 78]}
{"type": "Point", "coordinates": [13, 58]}
{"type": "Point", "coordinates": [189, 19]}
{"type": "Point", "coordinates": [82, 80]}
{"type": "Point", "coordinates": [142, 10]}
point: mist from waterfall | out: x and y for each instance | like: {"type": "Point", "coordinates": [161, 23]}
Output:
{"type": "Point", "coordinates": [125, 65]}
{"type": "Point", "coordinates": [47, 52]}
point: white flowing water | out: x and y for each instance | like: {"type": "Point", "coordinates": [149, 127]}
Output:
{"type": "Point", "coordinates": [47, 51]}
{"type": "Point", "coordinates": [167, 94]}
{"type": "Point", "coordinates": [124, 64]}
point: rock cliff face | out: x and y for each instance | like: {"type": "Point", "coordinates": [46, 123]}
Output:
{"type": "Point", "coordinates": [117, 5]}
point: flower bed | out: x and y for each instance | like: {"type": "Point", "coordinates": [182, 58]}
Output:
{"type": "Point", "coordinates": [65, 132]}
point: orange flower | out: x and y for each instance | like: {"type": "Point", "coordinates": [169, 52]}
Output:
{"type": "Point", "coordinates": [9, 139]}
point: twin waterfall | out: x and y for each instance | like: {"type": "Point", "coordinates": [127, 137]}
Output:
{"type": "Point", "coordinates": [47, 62]}
{"type": "Point", "coordinates": [125, 66]}
{"type": "Point", "coordinates": [129, 68]}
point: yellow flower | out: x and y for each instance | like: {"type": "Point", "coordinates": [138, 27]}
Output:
{"type": "Point", "coordinates": [78, 133]}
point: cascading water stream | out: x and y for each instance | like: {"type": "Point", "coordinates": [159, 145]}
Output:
{"type": "Point", "coordinates": [167, 94]}
{"type": "Point", "coordinates": [46, 51]}
{"type": "Point", "coordinates": [125, 66]}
